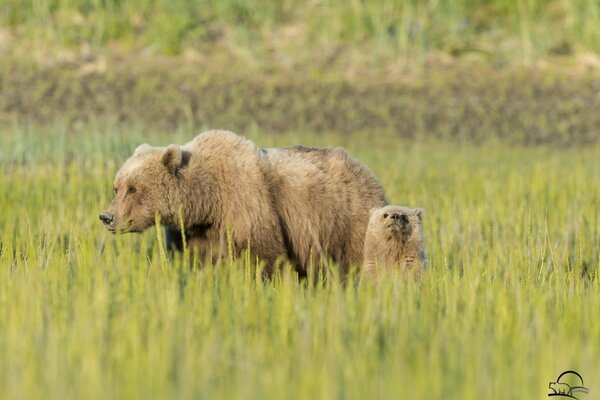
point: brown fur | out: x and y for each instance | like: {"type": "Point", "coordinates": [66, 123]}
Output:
{"type": "Point", "coordinates": [320, 195]}
{"type": "Point", "coordinates": [301, 203]}
{"type": "Point", "coordinates": [394, 244]}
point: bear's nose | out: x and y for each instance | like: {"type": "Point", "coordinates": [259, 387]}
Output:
{"type": "Point", "coordinates": [107, 218]}
{"type": "Point", "coordinates": [401, 218]}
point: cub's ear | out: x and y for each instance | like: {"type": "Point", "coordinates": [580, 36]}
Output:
{"type": "Point", "coordinates": [420, 213]}
{"type": "Point", "coordinates": [372, 210]}
{"type": "Point", "coordinates": [142, 148]}
{"type": "Point", "coordinates": [172, 158]}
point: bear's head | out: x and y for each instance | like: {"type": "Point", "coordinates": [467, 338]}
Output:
{"type": "Point", "coordinates": [146, 185]}
{"type": "Point", "coordinates": [395, 222]}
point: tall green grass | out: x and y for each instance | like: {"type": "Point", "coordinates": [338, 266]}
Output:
{"type": "Point", "coordinates": [510, 301]}
{"type": "Point", "coordinates": [502, 30]}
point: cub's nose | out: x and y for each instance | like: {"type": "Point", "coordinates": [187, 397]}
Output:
{"type": "Point", "coordinates": [107, 218]}
{"type": "Point", "coordinates": [401, 218]}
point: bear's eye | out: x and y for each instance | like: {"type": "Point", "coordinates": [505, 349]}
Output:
{"type": "Point", "coordinates": [115, 190]}
{"type": "Point", "coordinates": [131, 189]}
{"type": "Point", "coordinates": [385, 215]}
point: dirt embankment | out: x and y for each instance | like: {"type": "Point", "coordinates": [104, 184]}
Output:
{"type": "Point", "coordinates": [526, 107]}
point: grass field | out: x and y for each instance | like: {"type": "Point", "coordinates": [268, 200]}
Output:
{"type": "Point", "coordinates": [511, 299]}
{"type": "Point", "coordinates": [485, 113]}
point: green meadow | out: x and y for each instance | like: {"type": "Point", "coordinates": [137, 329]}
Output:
{"type": "Point", "coordinates": [485, 113]}
{"type": "Point", "coordinates": [510, 301]}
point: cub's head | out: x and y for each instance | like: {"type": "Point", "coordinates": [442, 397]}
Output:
{"type": "Point", "coordinates": [395, 222]}
{"type": "Point", "coordinates": [145, 185]}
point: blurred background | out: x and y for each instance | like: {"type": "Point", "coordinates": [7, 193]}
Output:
{"type": "Point", "coordinates": [523, 71]}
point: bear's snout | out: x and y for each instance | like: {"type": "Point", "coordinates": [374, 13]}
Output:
{"type": "Point", "coordinates": [401, 218]}
{"type": "Point", "coordinates": [107, 218]}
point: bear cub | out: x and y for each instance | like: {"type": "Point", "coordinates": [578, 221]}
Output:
{"type": "Point", "coordinates": [394, 241]}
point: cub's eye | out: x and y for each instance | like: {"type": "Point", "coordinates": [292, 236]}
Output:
{"type": "Point", "coordinates": [131, 189]}
{"type": "Point", "coordinates": [115, 190]}
{"type": "Point", "coordinates": [385, 215]}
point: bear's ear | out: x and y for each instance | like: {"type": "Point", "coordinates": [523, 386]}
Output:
{"type": "Point", "coordinates": [142, 148]}
{"type": "Point", "coordinates": [172, 158]}
{"type": "Point", "coordinates": [420, 213]}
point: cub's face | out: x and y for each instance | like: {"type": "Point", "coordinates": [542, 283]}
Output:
{"type": "Point", "coordinates": [396, 221]}
{"type": "Point", "coordinates": [141, 189]}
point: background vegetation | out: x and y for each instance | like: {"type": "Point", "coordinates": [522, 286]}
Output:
{"type": "Point", "coordinates": [498, 29]}
{"type": "Point", "coordinates": [482, 112]}
{"type": "Point", "coordinates": [522, 71]}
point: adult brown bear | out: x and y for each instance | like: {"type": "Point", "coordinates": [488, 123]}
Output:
{"type": "Point", "coordinates": [301, 203]}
